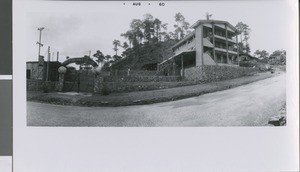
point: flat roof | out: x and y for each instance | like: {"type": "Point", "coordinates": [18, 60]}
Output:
{"type": "Point", "coordinates": [214, 21]}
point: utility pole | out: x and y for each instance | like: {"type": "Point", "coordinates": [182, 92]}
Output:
{"type": "Point", "coordinates": [40, 41]}
{"type": "Point", "coordinates": [90, 56]}
{"type": "Point", "coordinates": [57, 56]}
{"type": "Point", "coordinates": [48, 63]}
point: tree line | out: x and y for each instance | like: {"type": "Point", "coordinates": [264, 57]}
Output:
{"type": "Point", "coordinates": [146, 31]}
{"type": "Point", "coordinates": [278, 57]}
{"type": "Point", "coordinates": [151, 31]}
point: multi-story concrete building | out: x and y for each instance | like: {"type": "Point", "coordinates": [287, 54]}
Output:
{"type": "Point", "coordinates": [212, 42]}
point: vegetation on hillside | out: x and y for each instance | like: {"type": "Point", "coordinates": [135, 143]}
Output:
{"type": "Point", "coordinates": [278, 57]}
{"type": "Point", "coordinates": [244, 31]}
{"type": "Point", "coordinates": [148, 41]}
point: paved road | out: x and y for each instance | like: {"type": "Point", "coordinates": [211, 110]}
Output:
{"type": "Point", "coordinates": [249, 105]}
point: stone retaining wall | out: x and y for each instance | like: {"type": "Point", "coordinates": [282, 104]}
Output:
{"type": "Point", "coordinates": [101, 84]}
{"type": "Point", "coordinates": [212, 73]}
{"type": "Point", "coordinates": [70, 86]}
{"type": "Point", "coordinates": [142, 73]}
{"type": "Point", "coordinates": [142, 79]}
{"type": "Point", "coordinates": [98, 85]}
{"type": "Point", "coordinates": [39, 85]}
{"type": "Point", "coordinates": [34, 85]}
{"type": "Point", "coordinates": [133, 73]}
{"type": "Point", "coordinates": [142, 86]}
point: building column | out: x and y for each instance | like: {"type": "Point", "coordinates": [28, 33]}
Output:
{"type": "Point", "coordinates": [198, 45]}
{"type": "Point", "coordinates": [182, 66]}
{"type": "Point", "coordinates": [214, 51]}
{"type": "Point", "coordinates": [222, 58]}
{"type": "Point", "coordinates": [237, 48]}
{"type": "Point", "coordinates": [61, 81]}
{"type": "Point", "coordinates": [174, 67]}
{"type": "Point", "coordinates": [98, 84]}
{"type": "Point", "coordinates": [227, 57]}
{"type": "Point", "coordinates": [202, 46]}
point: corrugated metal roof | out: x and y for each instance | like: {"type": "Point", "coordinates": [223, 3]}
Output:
{"type": "Point", "coordinates": [184, 39]}
{"type": "Point", "coordinates": [183, 52]}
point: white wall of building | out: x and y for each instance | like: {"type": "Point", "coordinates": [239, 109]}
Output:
{"type": "Point", "coordinates": [199, 46]}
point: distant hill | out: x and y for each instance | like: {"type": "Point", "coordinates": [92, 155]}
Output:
{"type": "Point", "coordinates": [145, 57]}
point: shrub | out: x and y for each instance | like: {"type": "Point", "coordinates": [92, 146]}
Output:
{"type": "Point", "coordinates": [247, 64]}
{"type": "Point", "coordinates": [105, 91]}
{"type": "Point", "coordinates": [45, 87]}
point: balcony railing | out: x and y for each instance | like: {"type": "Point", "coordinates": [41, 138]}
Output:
{"type": "Point", "coordinates": [232, 52]}
{"type": "Point", "coordinates": [224, 38]}
{"type": "Point", "coordinates": [224, 50]}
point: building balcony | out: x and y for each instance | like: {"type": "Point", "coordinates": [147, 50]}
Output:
{"type": "Point", "coordinates": [220, 49]}
{"type": "Point", "coordinates": [224, 38]}
{"type": "Point", "coordinates": [232, 52]}
{"type": "Point", "coordinates": [224, 50]}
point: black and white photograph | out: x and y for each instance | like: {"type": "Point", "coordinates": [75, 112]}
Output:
{"type": "Point", "coordinates": [161, 64]}
{"type": "Point", "coordinates": [155, 86]}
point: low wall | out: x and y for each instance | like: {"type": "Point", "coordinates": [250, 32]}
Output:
{"type": "Point", "coordinates": [142, 86]}
{"type": "Point", "coordinates": [39, 85]}
{"type": "Point", "coordinates": [193, 75]}
{"type": "Point", "coordinates": [70, 86]}
{"type": "Point", "coordinates": [34, 85]}
{"type": "Point", "coordinates": [212, 73]}
{"type": "Point", "coordinates": [83, 87]}
{"type": "Point", "coordinates": [128, 84]}
{"type": "Point", "coordinates": [142, 79]}
{"type": "Point", "coordinates": [142, 73]}
{"type": "Point", "coordinates": [101, 84]}
{"type": "Point", "coordinates": [133, 73]}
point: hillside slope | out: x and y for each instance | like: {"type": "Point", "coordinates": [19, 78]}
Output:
{"type": "Point", "coordinates": [145, 57]}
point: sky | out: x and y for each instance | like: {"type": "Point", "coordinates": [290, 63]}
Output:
{"type": "Point", "coordinates": [75, 28]}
